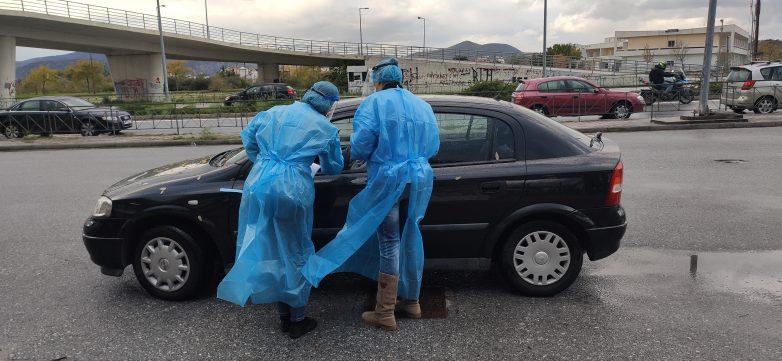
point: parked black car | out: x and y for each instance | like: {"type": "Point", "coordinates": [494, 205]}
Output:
{"type": "Point", "coordinates": [262, 92]}
{"type": "Point", "coordinates": [61, 114]}
{"type": "Point", "coordinates": [511, 187]}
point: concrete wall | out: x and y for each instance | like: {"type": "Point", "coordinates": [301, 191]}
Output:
{"type": "Point", "coordinates": [137, 77]}
{"type": "Point", "coordinates": [7, 71]}
{"type": "Point", "coordinates": [268, 73]}
{"type": "Point", "coordinates": [451, 76]}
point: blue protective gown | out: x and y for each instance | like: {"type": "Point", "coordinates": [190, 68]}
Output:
{"type": "Point", "coordinates": [396, 132]}
{"type": "Point", "coordinates": [275, 216]}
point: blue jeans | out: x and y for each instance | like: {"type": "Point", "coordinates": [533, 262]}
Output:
{"type": "Point", "coordinates": [295, 314]}
{"type": "Point", "coordinates": [388, 235]}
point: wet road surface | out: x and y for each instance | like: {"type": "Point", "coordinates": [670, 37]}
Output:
{"type": "Point", "coordinates": [644, 302]}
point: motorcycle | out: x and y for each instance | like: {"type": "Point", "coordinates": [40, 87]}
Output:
{"type": "Point", "coordinates": [681, 90]}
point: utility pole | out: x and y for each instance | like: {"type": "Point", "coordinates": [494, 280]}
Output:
{"type": "Point", "coordinates": [720, 57]}
{"type": "Point", "coordinates": [361, 32]}
{"type": "Point", "coordinates": [545, 13]}
{"type": "Point", "coordinates": [424, 19]}
{"type": "Point", "coordinates": [703, 104]}
{"type": "Point", "coordinates": [162, 50]}
{"type": "Point", "coordinates": [756, 28]}
{"type": "Point", "coordinates": [206, 11]}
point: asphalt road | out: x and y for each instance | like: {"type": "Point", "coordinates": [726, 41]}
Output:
{"type": "Point", "coordinates": [641, 303]}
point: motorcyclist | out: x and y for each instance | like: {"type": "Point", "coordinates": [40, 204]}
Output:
{"type": "Point", "coordinates": [657, 78]}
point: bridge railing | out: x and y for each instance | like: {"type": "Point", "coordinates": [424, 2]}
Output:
{"type": "Point", "coordinates": [118, 17]}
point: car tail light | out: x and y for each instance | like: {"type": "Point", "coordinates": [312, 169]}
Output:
{"type": "Point", "coordinates": [748, 85]}
{"type": "Point", "coordinates": [517, 96]}
{"type": "Point", "coordinates": [615, 187]}
{"type": "Point", "coordinates": [290, 91]}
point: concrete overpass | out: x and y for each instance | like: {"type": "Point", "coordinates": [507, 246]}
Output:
{"type": "Point", "coordinates": [132, 45]}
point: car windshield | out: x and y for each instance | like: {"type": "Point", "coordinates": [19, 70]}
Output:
{"type": "Point", "coordinates": [739, 74]}
{"type": "Point", "coordinates": [77, 103]}
{"type": "Point", "coordinates": [227, 157]}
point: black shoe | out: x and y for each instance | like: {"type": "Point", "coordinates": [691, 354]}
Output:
{"type": "Point", "coordinates": [300, 328]}
{"type": "Point", "coordinates": [285, 324]}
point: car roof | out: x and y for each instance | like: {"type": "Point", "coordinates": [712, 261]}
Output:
{"type": "Point", "coordinates": [51, 97]}
{"type": "Point", "coordinates": [439, 100]}
{"type": "Point", "coordinates": [563, 77]}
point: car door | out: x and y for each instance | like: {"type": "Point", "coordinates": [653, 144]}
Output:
{"type": "Point", "coordinates": [588, 102]}
{"type": "Point", "coordinates": [561, 97]}
{"type": "Point", "coordinates": [29, 116]}
{"type": "Point", "coordinates": [479, 175]}
{"type": "Point", "coordinates": [253, 93]}
{"type": "Point", "coordinates": [59, 118]}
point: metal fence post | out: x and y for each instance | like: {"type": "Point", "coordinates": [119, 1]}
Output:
{"type": "Point", "coordinates": [89, 15]}
{"type": "Point", "coordinates": [108, 16]}
{"type": "Point", "coordinates": [46, 7]}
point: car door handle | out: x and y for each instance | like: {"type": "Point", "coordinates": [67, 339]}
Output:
{"type": "Point", "coordinates": [575, 97]}
{"type": "Point", "coordinates": [491, 187]}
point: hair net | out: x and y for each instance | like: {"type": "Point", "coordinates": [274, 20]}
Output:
{"type": "Point", "coordinates": [321, 96]}
{"type": "Point", "coordinates": [387, 71]}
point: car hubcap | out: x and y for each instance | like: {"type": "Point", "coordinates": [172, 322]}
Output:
{"type": "Point", "coordinates": [539, 110]}
{"type": "Point", "coordinates": [87, 129]}
{"type": "Point", "coordinates": [11, 131]}
{"type": "Point", "coordinates": [766, 106]}
{"type": "Point", "coordinates": [165, 264]}
{"type": "Point", "coordinates": [541, 258]}
{"type": "Point", "coordinates": [622, 111]}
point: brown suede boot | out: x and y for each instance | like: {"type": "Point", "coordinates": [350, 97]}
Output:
{"type": "Point", "coordinates": [411, 308]}
{"type": "Point", "coordinates": [383, 315]}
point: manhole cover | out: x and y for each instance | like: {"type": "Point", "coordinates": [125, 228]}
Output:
{"type": "Point", "coordinates": [730, 161]}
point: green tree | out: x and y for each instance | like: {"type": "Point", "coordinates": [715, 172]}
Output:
{"type": "Point", "coordinates": [89, 72]}
{"type": "Point", "coordinates": [39, 77]}
{"type": "Point", "coordinates": [568, 50]}
{"type": "Point", "coordinates": [304, 76]}
{"type": "Point", "coordinates": [338, 75]}
{"type": "Point", "coordinates": [178, 70]}
{"type": "Point", "coordinates": [770, 49]}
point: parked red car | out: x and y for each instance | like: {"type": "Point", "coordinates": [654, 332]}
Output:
{"type": "Point", "coordinates": [569, 95]}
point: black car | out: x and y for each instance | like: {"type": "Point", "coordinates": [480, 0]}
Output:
{"type": "Point", "coordinates": [511, 187]}
{"type": "Point", "coordinates": [262, 92]}
{"type": "Point", "coordinates": [62, 115]}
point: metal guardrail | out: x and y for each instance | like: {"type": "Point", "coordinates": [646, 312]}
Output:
{"type": "Point", "coordinates": [76, 10]}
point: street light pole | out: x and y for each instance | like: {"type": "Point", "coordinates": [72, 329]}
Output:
{"type": "Point", "coordinates": [424, 19]}
{"type": "Point", "coordinates": [206, 11]}
{"type": "Point", "coordinates": [162, 50]}
{"type": "Point", "coordinates": [720, 57]}
{"type": "Point", "coordinates": [703, 106]}
{"type": "Point", "coordinates": [545, 14]}
{"type": "Point", "coordinates": [361, 32]}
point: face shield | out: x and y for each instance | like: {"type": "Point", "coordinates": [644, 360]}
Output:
{"type": "Point", "coordinates": [330, 113]}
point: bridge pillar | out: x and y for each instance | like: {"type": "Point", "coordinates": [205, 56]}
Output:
{"type": "Point", "coordinates": [7, 71]}
{"type": "Point", "coordinates": [268, 73]}
{"type": "Point", "coordinates": [137, 77]}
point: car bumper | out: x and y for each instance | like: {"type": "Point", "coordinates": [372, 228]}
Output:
{"type": "Point", "coordinates": [604, 241]}
{"type": "Point", "coordinates": [103, 245]}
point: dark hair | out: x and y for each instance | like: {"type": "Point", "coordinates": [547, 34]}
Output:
{"type": "Point", "coordinates": [391, 85]}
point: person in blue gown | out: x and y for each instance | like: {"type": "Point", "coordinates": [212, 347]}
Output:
{"type": "Point", "coordinates": [275, 215]}
{"type": "Point", "coordinates": [396, 133]}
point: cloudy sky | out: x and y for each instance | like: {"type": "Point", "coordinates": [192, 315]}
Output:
{"type": "Point", "coordinates": [515, 22]}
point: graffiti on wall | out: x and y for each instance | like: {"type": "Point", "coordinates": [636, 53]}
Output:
{"type": "Point", "coordinates": [10, 89]}
{"type": "Point", "coordinates": [131, 89]}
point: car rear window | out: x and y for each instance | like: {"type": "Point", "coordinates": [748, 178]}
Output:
{"type": "Point", "coordinates": [739, 74]}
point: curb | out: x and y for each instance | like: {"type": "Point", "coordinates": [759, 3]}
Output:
{"type": "Point", "coordinates": [184, 142]}
{"type": "Point", "coordinates": [646, 128]}
{"type": "Point", "coordinates": [143, 144]}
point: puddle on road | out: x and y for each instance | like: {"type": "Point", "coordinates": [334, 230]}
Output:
{"type": "Point", "coordinates": [757, 275]}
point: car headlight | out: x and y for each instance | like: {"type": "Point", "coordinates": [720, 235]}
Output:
{"type": "Point", "coordinates": [112, 118]}
{"type": "Point", "coordinates": [228, 98]}
{"type": "Point", "coordinates": [103, 208]}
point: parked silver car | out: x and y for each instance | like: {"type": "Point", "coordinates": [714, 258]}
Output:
{"type": "Point", "coordinates": [756, 87]}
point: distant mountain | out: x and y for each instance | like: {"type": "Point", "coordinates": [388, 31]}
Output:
{"type": "Point", "coordinates": [59, 62]}
{"type": "Point", "coordinates": [469, 50]}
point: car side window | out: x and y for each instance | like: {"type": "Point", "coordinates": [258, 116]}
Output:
{"type": "Point", "coordinates": [556, 86]}
{"type": "Point", "coordinates": [581, 87]}
{"type": "Point", "coordinates": [52, 105]}
{"type": "Point", "coordinates": [766, 73]}
{"type": "Point", "coordinates": [344, 128]}
{"type": "Point", "coordinates": [253, 90]}
{"type": "Point", "coordinates": [31, 105]}
{"type": "Point", "coordinates": [469, 138]}
{"type": "Point", "coordinates": [776, 74]}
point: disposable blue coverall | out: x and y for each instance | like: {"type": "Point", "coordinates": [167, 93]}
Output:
{"type": "Point", "coordinates": [275, 216]}
{"type": "Point", "coordinates": [397, 133]}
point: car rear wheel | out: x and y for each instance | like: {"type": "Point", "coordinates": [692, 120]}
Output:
{"type": "Point", "coordinates": [541, 258]}
{"type": "Point", "coordinates": [621, 110]}
{"type": "Point", "coordinates": [765, 105]}
{"type": "Point", "coordinates": [11, 131]}
{"type": "Point", "coordinates": [169, 263]}
{"type": "Point", "coordinates": [540, 109]}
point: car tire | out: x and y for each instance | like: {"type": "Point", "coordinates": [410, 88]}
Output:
{"type": "Point", "coordinates": [541, 258]}
{"type": "Point", "coordinates": [88, 129]}
{"type": "Point", "coordinates": [539, 109]}
{"type": "Point", "coordinates": [12, 131]}
{"type": "Point", "coordinates": [622, 110]}
{"type": "Point", "coordinates": [765, 105]}
{"type": "Point", "coordinates": [170, 264]}
{"type": "Point", "coordinates": [738, 111]}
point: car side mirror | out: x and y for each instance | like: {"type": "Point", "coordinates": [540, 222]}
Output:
{"type": "Point", "coordinates": [597, 90]}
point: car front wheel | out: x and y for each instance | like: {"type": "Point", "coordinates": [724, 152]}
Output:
{"type": "Point", "coordinates": [540, 109]}
{"type": "Point", "coordinates": [169, 263]}
{"type": "Point", "coordinates": [622, 110]}
{"type": "Point", "coordinates": [541, 258]}
{"type": "Point", "coordinates": [11, 131]}
{"type": "Point", "coordinates": [88, 129]}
